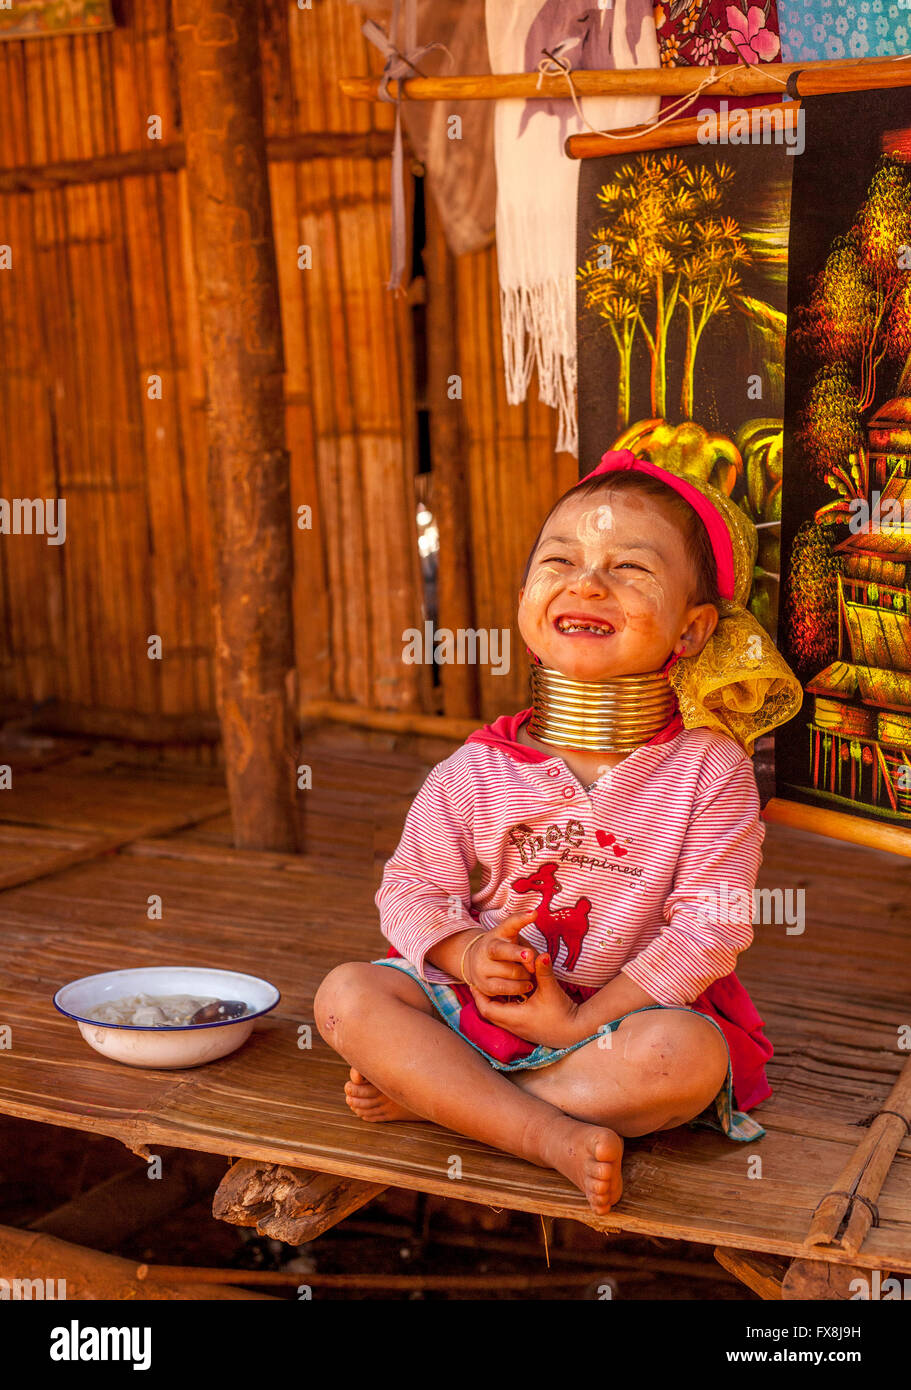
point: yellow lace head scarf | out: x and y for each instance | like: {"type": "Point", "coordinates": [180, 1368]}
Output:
{"type": "Point", "coordinates": [739, 683]}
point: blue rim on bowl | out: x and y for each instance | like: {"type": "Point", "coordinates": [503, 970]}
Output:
{"type": "Point", "coordinates": [111, 976]}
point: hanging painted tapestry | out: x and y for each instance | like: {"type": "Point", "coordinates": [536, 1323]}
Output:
{"type": "Point", "coordinates": [846, 599]}
{"type": "Point", "coordinates": [32, 19]}
{"type": "Point", "coordinates": [681, 304]}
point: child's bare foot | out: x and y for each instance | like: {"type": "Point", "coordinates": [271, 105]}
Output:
{"type": "Point", "coordinates": [370, 1104]}
{"type": "Point", "coordinates": [589, 1155]}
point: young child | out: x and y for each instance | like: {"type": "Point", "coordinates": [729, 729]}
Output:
{"type": "Point", "coordinates": [586, 992]}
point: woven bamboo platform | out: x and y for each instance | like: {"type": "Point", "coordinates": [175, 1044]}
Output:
{"type": "Point", "coordinates": [833, 999]}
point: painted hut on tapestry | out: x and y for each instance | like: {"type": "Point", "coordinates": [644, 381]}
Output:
{"type": "Point", "coordinates": [860, 732]}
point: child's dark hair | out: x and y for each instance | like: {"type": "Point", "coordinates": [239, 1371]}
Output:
{"type": "Point", "coordinates": [704, 587]}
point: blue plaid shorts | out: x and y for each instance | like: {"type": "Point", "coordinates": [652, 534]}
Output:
{"type": "Point", "coordinates": [720, 1115]}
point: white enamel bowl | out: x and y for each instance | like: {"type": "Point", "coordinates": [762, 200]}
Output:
{"type": "Point", "coordinates": [189, 1045]}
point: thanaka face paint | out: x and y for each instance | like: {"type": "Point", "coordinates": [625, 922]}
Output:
{"type": "Point", "coordinates": [603, 540]}
{"type": "Point", "coordinates": [599, 573]}
{"type": "Point", "coordinates": [592, 525]}
{"type": "Point", "coordinates": [591, 533]}
{"type": "Point", "coordinates": [542, 576]}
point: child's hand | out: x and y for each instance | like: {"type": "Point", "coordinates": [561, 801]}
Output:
{"type": "Point", "coordinates": [498, 962]}
{"type": "Point", "coordinates": [548, 1016]}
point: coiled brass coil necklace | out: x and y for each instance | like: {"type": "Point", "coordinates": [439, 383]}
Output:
{"type": "Point", "coordinates": [613, 715]}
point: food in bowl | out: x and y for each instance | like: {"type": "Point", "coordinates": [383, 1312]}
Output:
{"type": "Point", "coordinates": [236, 1002]}
{"type": "Point", "coordinates": [166, 1010]}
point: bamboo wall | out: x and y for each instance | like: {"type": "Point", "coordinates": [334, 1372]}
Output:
{"type": "Point", "coordinates": [101, 297]}
{"type": "Point", "coordinates": [514, 474]}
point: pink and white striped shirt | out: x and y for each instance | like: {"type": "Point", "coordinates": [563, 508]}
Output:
{"type": "Point", "coordinates": [647, 871]}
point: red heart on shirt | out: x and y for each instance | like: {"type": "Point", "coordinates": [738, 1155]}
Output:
{"type": "Point", "coordinates": [604, 839]}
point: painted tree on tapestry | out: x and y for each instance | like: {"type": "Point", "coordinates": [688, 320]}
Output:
{"type": "Point", "coordinates": [858, 316]}
{"type": "Point", "coordinates": [668, 250]}
{"type": "Point", "coordinates": [814, 571]}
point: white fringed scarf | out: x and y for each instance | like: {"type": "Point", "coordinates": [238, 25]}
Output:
{"type": "Point", "coordinates": [537, 183]}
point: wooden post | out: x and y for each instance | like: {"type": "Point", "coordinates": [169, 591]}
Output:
{"type": "Point", "coordinates": [448, 457]}
{"type": "Point", "coordinates": [249, 480]}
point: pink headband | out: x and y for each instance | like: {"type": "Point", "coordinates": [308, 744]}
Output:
{"type": "Point", "coordinates": [712, 519]}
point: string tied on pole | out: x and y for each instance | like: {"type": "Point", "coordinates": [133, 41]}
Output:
{"type": "Point", "coordinates": [553, 64]}
{"type": "Point", "coordinates": [401, 62]}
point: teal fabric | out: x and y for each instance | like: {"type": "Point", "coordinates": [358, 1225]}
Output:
{"type": "Point", "coordinates": [814, 30]}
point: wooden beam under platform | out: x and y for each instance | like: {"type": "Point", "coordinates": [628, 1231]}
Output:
{"type": "Point", "coordinates": [289, 1204]}
{"type": "Point", "coordinates": [761, 1273]}
{"type": "Point", "coordinates": [89, 1275]}
{"type": "Point", "coordinates": [818, 1280]}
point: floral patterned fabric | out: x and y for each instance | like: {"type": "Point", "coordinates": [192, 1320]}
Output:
{"type": "Point", "coordinates": [812, 30]}
{"type": "Point", "coordinates": [697, 33]}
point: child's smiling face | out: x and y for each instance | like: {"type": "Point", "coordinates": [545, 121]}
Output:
{"type": "Point", "coordinates": [619, 563]}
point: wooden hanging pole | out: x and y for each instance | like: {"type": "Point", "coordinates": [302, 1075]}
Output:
{"type": "Point", "coordinates": [249, 483]}
{"type": "Point", "coordinates": [680, 132]}
{"type": "Point", "coordinates": [742, 79]}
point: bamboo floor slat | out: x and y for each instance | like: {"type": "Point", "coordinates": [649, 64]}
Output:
{"type": "Point", "coordinates": [75, 796]}
{"type": "Point", "coordinates": [834, 999]}
{"type": "Point", "coordinates": [27, 849]}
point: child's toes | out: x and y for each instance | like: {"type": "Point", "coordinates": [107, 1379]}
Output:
{"type": "Point", "coordinates": [363, 1092]}
{"type": "Point", "coordinates": [607, 1148]}
{"type": "Point", "coordinates": [363, 1107]}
